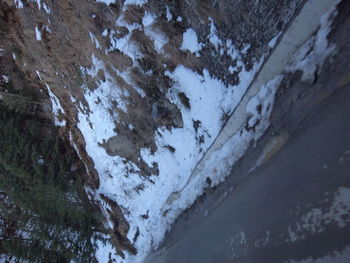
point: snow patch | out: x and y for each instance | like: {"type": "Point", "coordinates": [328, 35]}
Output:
{"type": "Point", "coordinates": [159, 38]}
{"type": "Point", "coordinates": [148, 19]}
{"type": "Point", "coordinates": [37, 34]}
{"type": "Point", "coordinates": [311, 56]}
{"type": "Point", "coordinates": [38, 74]}
{"type": "Point", "coordinates": [213, 37]}
{"type": "Point", "coordinates": [107, 2]}
{"type": "Point", "coordinates": [94, 40]}
{"type": "Point", "coordinates": [317, 219]}
{"type": "Point", "coordinates": [273, 41]}
{"type": "Point", "coordinates": [123, 44]}
{"type": "Point", "coordinates": [18, 3]}
{"type": "Point", "coordinates": [46, 8]}
{"type": "Point", "coordinates": [209, 100]}
{"type": "Point", "coordinates": [190, 41]}
{"type": "Point", "coordinates": [334, 257]}
{"type": "Point", "coordinates": [169, 16]}
{"type": "Point", "coordinates": [135, 2]}
{"type": "Point", "coordinates": [56, 107]}
{"type": "Point", "coordinates": [221, 161]}
{"type": "Point", "coordinates": [105, 33]}
{"type": "Point", "coordinates": [4, 78]}
{"type": "Point", "coordinates": [103, 251]}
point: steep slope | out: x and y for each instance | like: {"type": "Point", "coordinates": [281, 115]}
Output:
{"type": "Point", "coordinates": [142, 89]}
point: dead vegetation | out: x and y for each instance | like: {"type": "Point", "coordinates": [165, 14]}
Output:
{"type": "Point", "coordinates": [133, 14]}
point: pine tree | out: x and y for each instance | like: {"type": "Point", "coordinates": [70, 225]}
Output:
{"type": "Point", "coordinates": [46, 213]}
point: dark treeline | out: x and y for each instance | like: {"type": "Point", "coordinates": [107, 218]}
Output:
{"type": "Point", "coordinates": [45, 214]}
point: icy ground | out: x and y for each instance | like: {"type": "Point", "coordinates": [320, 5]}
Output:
{"type": "Point", "coordinates": [145, 201]}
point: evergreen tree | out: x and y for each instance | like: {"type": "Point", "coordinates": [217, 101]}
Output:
{"type": "Point", "coordinates": [45, 213]}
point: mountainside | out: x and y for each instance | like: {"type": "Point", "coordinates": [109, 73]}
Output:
{"type": "Point", "coordinates": [140, 90]}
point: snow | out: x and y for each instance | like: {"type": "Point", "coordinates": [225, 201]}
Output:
{"type": "Point", "coordinates": [96, 122]}
{"type": "Point", "coordinates": [209, 97]}
{"type": "Point", "coordinates": [245, 49]}
{"type": "Point", "coordinates": [127, 2]}
{"type": "Point", "coordinates": [148, 19]}
{"type": "Point", "coordinates": [105, 33]}
{"type": "Point", "coordinates": [4, 78]}
{"type": "Point", "coordinates": [273, 41]}
{"type": "Point", "coordinates": [317, 219]}
{"type": "Point", "coordinates": [334, 257]}
{"type": "Point", "coordinates": [135, 2]}
{"type": "Point", "coordinates": [174, 189]}
{"type": "Point", "coordinates": [221, 161]}
{"type": "Point", "coordinates": [125, 76]}
{"type": "Point", "coordinates": [107, 2]}
{"type": "Point", "coordinates": [169, 16]}
{"type": "Point", "coordinates": [260, 107]}
{"type": "Point", "coordinates": [94, 40]}
{"type": "Point", "coordinates": [37, 34]}
{"type": "Point", "coordinates": [56, 107]}
{"type": "Point", "coordinates": [18, 3]}
{"type": "Point", "coordinates": [190, 41]}
{"type": "Point", "coordinates": [213, 37]}
{"type": "Point", "coordinates": [38, 74]}
{"type": "Point", "coordinates": [231, 51]}
{"type": "Point", "coordinates": [46, 8]}
{"type": "Point", "coordinates": [104, 251]}
{"type": "Point", "coordinates": [47, 29]}
{"type": "Point", "coordinates": [311, 56]}
{"type": "Point", "coordinates": [38, 2]}
{"type": "Point", "coordinates": [203, 90]}
{"type": "Point", "coordinates": [159, 38]}
{"type": "Point", "coordinates": [107, 91]}
{"type": "Point", "coordinates": [124, 44]}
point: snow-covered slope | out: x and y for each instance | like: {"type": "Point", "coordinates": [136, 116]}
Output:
{"type": "Point", "coordinates": [151, 93]}
{"type": "Point", "coordinates": [178, 149]}
{"type": "Point", "coordinates": [152, 210]}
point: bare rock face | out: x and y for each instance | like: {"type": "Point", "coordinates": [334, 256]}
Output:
{"type": "Point", "coordinates": [120, 145]}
